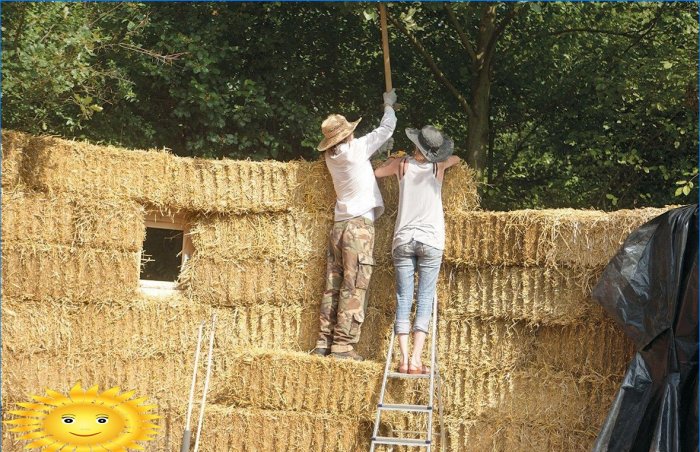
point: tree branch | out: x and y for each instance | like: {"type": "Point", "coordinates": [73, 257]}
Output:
{"type": "Point", "coordinates": [432, 65]}
{"type": "Point", "coordinates": [636, 35]}
{"type": "Point", "coordinates": [516, 152]}
{"type": "Point", "coordinates": [590, 30]}
{"type": "Point", "coordinates": [499, 31]}
{"type": "Point", "coordinates": [463, 38]}
{"type": "Point", "coordinates": [162, 58]}
{"type": "Point", "coordinates": [646, 30]}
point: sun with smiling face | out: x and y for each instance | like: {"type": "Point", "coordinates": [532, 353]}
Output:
{"type": "Point", "coordinates": [85, 421]}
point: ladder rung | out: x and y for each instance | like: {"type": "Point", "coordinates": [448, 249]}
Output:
{"type": "Point", "coordinates": [401, 407]}
{"type": "Point", "coordinates": [405, 375]}
{"type": "Point", "coordinates": [400, 441]}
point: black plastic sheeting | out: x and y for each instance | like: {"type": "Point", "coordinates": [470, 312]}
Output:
{"type": "Point", "coordinates": [650, 288]}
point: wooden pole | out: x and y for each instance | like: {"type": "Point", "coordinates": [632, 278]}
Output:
{"type": "Point", "coordinates": [385, 47]}
{"type": "Point", "coordinates": [385, 51]}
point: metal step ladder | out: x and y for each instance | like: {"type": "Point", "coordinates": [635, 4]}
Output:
{"type": "Point", "coordinates": [434, 384]}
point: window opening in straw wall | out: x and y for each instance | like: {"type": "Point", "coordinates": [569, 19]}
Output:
{"type": "Point", "coordinates": [166, 248]}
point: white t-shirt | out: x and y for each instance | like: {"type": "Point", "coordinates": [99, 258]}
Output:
{"type": "Point", "coordinates": [420, 215]}
{"type": "Point", "coordinates": [356, 189]}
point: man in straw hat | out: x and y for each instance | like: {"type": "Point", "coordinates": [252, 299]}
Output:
{"type": "Point", "coordinates": [358, 204]}
{"type": "Point", "coordinates": [419, 235]}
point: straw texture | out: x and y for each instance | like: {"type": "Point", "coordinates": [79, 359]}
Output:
{"type": "Point", "coordinates": [540, 237]}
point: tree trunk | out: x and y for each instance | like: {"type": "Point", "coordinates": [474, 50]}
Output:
{"type": "Point", "coordinates": [478, 121]}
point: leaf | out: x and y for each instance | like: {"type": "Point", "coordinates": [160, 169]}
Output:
{"type": "Point", "coordinates": [686, 190]}
{"type": "Point", "coordinates": [679, 190]}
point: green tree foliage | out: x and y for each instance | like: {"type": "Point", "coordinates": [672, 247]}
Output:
{"type": "Point", "coordinates": [569, 104]}
{"type": "Point", "coordinates": [60, 63]}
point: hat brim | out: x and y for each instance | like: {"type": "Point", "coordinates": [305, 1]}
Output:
{"type": "Point", "coordinates": [444, 151]}
{"type": "Point", "coordinates": [327, 143]}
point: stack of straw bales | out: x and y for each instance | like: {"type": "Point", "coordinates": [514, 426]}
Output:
{"type": "Point", "coordinates": [529, 363]}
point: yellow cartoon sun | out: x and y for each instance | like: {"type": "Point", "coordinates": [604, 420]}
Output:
{"type": "Point", "coordinates": [85, 421]}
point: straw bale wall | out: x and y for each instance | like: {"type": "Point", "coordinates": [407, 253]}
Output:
{"type": "Point", "coordinates": [528, 361]}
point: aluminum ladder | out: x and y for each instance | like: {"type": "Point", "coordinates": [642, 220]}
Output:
{"type": "Point", "coordinates": [433, 376]}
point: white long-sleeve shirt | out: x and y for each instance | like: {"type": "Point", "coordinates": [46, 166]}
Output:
{"type": "Point", "coordinates": [356, 189]}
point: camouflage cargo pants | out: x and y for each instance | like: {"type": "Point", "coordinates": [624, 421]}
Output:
{"type": "Point", "coordinates": [348, 273]}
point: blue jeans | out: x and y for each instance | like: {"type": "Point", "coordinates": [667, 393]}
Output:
{"type": "Point", "coordinates": [409, 258]}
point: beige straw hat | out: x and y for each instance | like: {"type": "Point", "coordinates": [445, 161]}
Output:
{"type": "Point", "coordinates": [335, 129]}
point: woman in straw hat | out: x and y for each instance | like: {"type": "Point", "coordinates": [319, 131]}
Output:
{"type": "Point", "coordinates": [358, 205]}
{"type": "Point", "coordinates": [419, 235]}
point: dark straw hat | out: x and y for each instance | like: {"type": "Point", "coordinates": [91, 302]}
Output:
{"type": "Point", "coordinates": [432, 143]}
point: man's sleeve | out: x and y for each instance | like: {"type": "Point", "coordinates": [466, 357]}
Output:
{"type": "Point", "coordinates": [376, 138]}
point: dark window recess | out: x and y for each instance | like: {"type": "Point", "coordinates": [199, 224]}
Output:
{"type": "Point", "coordinates": [161, 256]}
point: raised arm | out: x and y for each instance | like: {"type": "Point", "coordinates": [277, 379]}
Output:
{"type": "Point", "coordinates": [442, 166]}
{"type": "Point", "coordinates": [376, 138]}
{"type": "Point", "coordinates": [451, 161]}
{"type": "Point", "coordinates": [388, 168]}
{"type": "Point", "coordinates": [371, 142]}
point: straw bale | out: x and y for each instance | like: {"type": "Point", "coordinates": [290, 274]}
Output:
{"type": "Point", "coordinates": [39, 218]}
{"type": "Point", "coordinates": [300, 382]}
{"type": "Point", "coordinates": [596, 345]}
{"type": "Point", "coordinates": [293, 381]}
{"type": "Point", "coordinates": [495, 344]}
{"type": "Point", "coordinates": [315, 191]}
{"type": "Point", "coordinates": [533, 395]}
{"type": "Point", "coordinates": [85, 170]}
{"type": "Point", "coordinates": [248, 430]}
{"type": "Point", "coordinates": [44, 272]}
{"type": "Point", "coordinates": [231, 187]}
{"type": "Point", "coordinates": [534, 294]}
{"type": "Point", "coordinates": [254, 282]}
{"type": "Point", "coordinates": [13, 146]}
{"type": "Point", "coordinates": [499, 434]}
{"type": "Point", "coordinates": [383, 237]}
{"type": "Point", "coordinates": [293, 236]}
{"type": "Point", "coordinates": [540, 237]}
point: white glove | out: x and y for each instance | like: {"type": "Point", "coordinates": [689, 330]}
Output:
{"type": "Point", "coordinates": [390, 98]}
